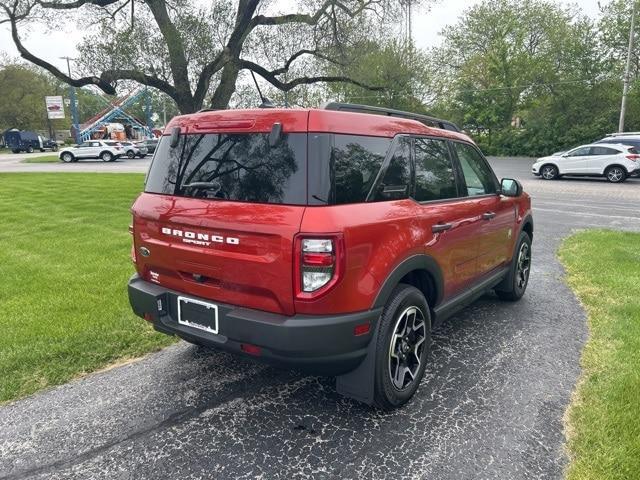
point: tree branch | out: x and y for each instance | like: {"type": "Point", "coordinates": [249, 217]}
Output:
{"type": "Point", "coordinates": [75, 4]}
{"type": "Point", "coordinates": [270, 77]}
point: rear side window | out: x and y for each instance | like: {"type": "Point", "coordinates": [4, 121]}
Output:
{"type": "Point", "coordinates": [478, 177]}
{"type": "Point", "coordinates": [604, 151]}
{"type": "Point", "coordinates": [435, 179]}
{"type": "Point", "coordinates": [237, 167]}
{"type": "Point", "coordinates": [355, 162]}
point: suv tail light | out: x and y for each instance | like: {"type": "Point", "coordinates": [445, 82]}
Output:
{"type": "Point", "coordinates": [633, 157]}
{"type": "Point", "coordinates": [318, 264]}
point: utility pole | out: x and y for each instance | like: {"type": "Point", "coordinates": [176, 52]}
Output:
{"type": "Point", "coordinates": [75, 122]}
{"type": "Point", "coordinates": [627, 73]}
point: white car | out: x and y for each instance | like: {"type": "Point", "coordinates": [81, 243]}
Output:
{"type": "Point", "coordinates": [616, 162]}
{"type": "Point", "coordinates": [132, 150]}
{"type": "Point", "coordinates": [105, 150]}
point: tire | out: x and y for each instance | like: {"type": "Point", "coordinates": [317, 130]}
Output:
{"type": "Point", "coordinates": [615, 174]}
{"type": "Point", "coordinates": [54, 148]}
{"type": "Point", "coordinates": [131, 154]}
{"type": "Point", "coordinates": [397, 350]}
{"type": "Point", "coordinates": [549, 172]}
{"type": "Point", "coordinates": [67, 157]}
{"type": "Point", "coordinates": [106, 157]}
{"type": "Point", "coordinates": [518, 278]}
{"type": "Point", "coordinates": [42, 149]}
{"type": "Point", "coordinates": [29, 149]}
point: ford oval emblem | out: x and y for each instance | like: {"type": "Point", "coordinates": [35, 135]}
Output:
{"type": "Point", "coordinates": [144, 251]}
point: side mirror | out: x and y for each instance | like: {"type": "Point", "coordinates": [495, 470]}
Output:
{"type": "Point", "coordinates": [510, 187]}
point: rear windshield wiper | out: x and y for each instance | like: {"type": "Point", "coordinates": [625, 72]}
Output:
{"type": "Point", "coordinates": [203, 185]}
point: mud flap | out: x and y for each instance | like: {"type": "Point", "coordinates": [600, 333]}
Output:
{"type": "Point", "coordinates": [359, 383]}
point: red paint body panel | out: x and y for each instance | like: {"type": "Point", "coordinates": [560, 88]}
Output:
{"type": "Point", "coordinates": [256, 273]}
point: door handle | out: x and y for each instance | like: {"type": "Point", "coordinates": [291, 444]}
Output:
{"type": "Point", "coordinates": [488, 215]}
{"type": "Point", "coordinates": [441, 227]}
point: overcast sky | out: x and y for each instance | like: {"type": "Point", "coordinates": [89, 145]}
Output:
{"type": "Point", "coordinates": [426, 25]}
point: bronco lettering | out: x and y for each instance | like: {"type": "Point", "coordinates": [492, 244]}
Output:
{"type": "Point", "coordinates": [202, 238]}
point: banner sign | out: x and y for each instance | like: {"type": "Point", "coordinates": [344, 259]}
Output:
{"type": "Point", "coordinates": [55, 107]}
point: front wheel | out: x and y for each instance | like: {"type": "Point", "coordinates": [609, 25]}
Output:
{"type": "Point", "coordinates": [404, 341]}
{"type": "Point", "coordinates": [616, 174]}
{"type": "Point", "coordinates": [549, 172]}
{"type": "Point", "coordinates": [66, 157]}
{"type": "Point", "coordinates": [106, 156]}
{"type": "Point", "coordinates": [515, 284]}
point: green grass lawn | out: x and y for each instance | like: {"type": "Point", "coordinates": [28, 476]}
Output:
{"type": "Point", "coordinates": [604, 418]}
{"type": "Point", "coordinates": [64, 266]}
{"type": "Point", "coordinates": [42, 159]}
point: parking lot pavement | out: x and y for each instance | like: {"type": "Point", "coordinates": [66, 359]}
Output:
{"type": "Point", "coordinates": [491, 404]}
{"type": "Point", "coordinates": [11, 162]}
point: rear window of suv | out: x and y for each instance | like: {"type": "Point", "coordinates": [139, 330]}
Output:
{"type": "Point", "coordinates": [237, 167]}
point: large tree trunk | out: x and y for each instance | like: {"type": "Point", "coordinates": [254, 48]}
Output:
{"type": "Point", "coordinates": [226, 87]}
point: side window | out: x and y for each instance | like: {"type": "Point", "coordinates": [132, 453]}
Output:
{"type": "Point", "coordinates": [477, 174]}
{"type": "Point", "coordinates": [579, 152]}
{"type": "Point", "coordinates": [435, 179]}
{"type": "Point", "coordinates": [397, 178]}
{"type": "Point", "coordinates": [356, 161]}
{"type": "Point", "coordinates": [603, 151]}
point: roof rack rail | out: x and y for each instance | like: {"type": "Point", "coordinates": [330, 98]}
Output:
{"type": "Point", "coordinates": [622, 134]}
{"type": "Point", "coordinates": [425, 119]}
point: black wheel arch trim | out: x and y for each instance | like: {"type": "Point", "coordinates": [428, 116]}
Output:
{"type": "Point", "coordinates": [415, 262]}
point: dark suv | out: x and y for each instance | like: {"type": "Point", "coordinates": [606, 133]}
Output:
{"type": "Point", "coordinates": [324, 239]}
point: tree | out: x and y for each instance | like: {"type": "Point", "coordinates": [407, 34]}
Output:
{"type": "Point", "coordinates": [26, 88]}
{"type": "Point", "coordinates": [195, 54]}
{"type": "Point", "coordinates": [614, 27]}
{"type": "Point", "coordinates": [534, 64]}
{"type": "Point", "coordinates": [397, 66]}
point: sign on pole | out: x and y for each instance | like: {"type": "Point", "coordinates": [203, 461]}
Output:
{"type": "Point", "coordinates": [55, 107]}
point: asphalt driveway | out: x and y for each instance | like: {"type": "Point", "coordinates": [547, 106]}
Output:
{"type": "Point", "coordinates": [491, 405]}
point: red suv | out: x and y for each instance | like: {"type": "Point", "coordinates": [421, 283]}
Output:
{"type": "Point", "coordinates": [330, 240]}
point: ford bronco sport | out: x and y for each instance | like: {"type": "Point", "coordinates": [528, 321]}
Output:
{"type": "Point", "coordinates": [331, 240]}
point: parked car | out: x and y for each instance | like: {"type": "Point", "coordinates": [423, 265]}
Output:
{"type": "Point", "coordinates": [324, 240]}
{"type": "Point", "coordinates": [132, 150]}
{"type": "Point", "coordinates": [106, 150]}
{"type": "Point", "coordinates": [49, 144]}
{"type": "Point", "coordinates": [614, 161]}
{"type": "Point", "coordinates": [22, 141]}
{"type": "Point", "coordinates": [632, 139]}
{"type": "Point", "coordinates": [151, 144]}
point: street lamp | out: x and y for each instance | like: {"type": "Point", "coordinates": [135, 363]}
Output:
{"type": "Point", "coordinates": [75, 122]}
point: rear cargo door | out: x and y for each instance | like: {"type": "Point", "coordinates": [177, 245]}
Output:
{"type": "Point", "coordinates": [220, 212]}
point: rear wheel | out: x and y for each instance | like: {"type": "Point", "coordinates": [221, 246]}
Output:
{"type": "Point", "coordinates": [54, 148]}
{"type": "Point", "coordinates": [404, 341]}
{"type": "Point", "coordinates": [29, 149]}
{"type": "Point", "coordinates": [518, 278]}
{"type": "Point", "coordinates": [106, 156]}
{"type": "Point", "coordinates": [66, 157]}
{"type": "Point", "coordinates": [131, 154]}
{"type": "Point", "coordinates": [616, 174]}
{"type": "Point", "coordinates": [549, 172]}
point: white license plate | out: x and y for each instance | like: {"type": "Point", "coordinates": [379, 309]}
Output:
{"type": "Point", "coordinates": [198, 314]}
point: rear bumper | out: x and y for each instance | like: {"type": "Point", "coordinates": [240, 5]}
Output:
{"type": "Point", "coordinates": [324, 345]}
